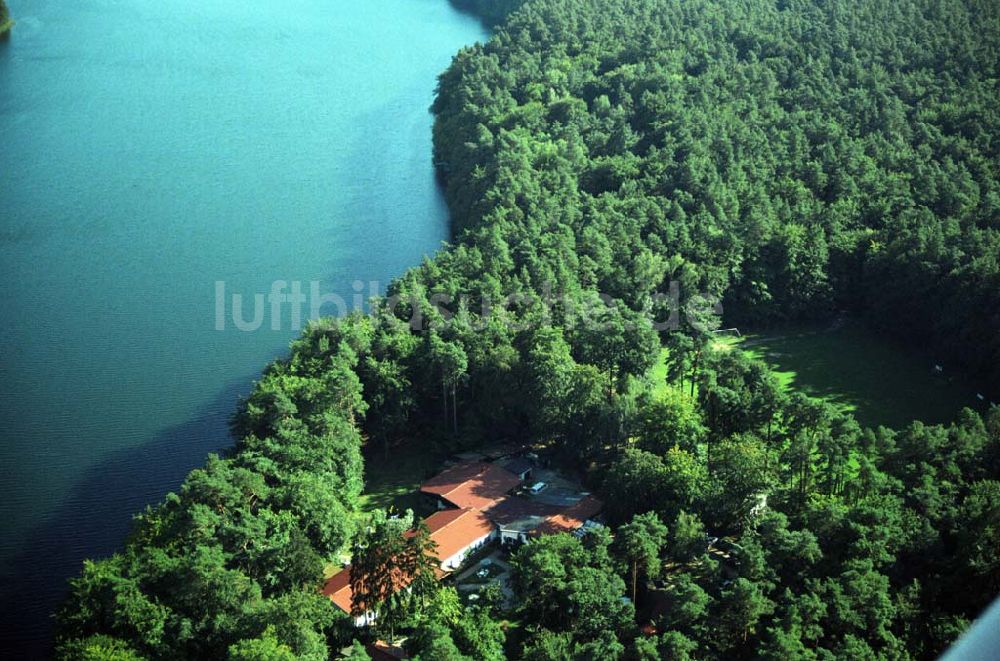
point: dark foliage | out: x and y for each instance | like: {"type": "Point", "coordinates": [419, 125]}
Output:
{"type": "Point", "coordinates": [794, 158]}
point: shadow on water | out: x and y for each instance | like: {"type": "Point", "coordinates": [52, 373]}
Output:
{"type": "Point", "coordinates": [95, 518]}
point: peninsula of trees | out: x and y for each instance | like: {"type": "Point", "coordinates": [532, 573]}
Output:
{"type": "Point", "coordinates": [794, 159]}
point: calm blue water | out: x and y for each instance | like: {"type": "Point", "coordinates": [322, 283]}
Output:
{"type": "Point", "coordinates": [149, 149]}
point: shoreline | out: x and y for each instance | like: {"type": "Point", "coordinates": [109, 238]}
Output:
{"type": "Point", "coordinates": [43, 529]}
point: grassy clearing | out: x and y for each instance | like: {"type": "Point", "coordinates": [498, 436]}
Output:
{"type": "Point", "coordinates": [658, 375]}
{"type": "Point", "coordinates": [879, 381]}
{"type": "Point", "coordinates": [393, 480]}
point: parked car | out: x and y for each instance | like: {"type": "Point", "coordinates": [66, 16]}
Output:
{"type": "Point", "coordinates": [538, 487]}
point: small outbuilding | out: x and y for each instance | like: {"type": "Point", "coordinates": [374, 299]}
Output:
{"type": "Point", "coordinates": [520, 466]}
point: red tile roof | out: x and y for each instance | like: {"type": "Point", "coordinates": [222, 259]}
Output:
{"type": "Point", "coordinates": [451, 530]}
{"type": "Point", "coordinates": [478, 485]}
{"type": "Point", "coordinates": [571, 518]}
{"type": "Point", "coordinates": [443, 518]}
{"type": "Point", "coordinates": [473, 487]}
{"type": "Point", "coordinates": [383, 651]}
{"type": "Point", "coordinates": [338, 589]}
{"type": "Point", "coordinates": [455, 530]}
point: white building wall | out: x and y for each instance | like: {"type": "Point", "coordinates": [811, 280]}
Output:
{"type": "Point", "coordinates": [508, 536]}
{"type": "Point", "coordinates": [456, 560]}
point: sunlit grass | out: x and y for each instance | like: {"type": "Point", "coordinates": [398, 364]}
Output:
{"type": "Point", "coordinates": [856, 370]}
{"type": "Point", "coordinates": [879, 381]}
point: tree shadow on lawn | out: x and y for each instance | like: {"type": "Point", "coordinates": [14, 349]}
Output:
{"type": "Point", "coordinates": [880, 382]}
{"type": "Point", "coordinates": [393, 481]}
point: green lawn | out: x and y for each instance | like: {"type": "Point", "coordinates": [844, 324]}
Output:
{"type": "Point", "coordinates": [881, 382]}
{"type": "Point", "coordinates": [393, 481]}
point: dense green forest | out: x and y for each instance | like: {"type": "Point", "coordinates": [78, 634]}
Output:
{"type": "Point", "coordinates": [794, 159]}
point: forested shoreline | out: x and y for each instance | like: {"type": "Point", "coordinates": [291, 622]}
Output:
{"type": "Point", "coordinates": [6, 23]}
{"type": "Point", "coordinates": [791, 159]}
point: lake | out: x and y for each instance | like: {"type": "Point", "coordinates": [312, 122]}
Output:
{"type": "Point", "coordinates": [153, 155]}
